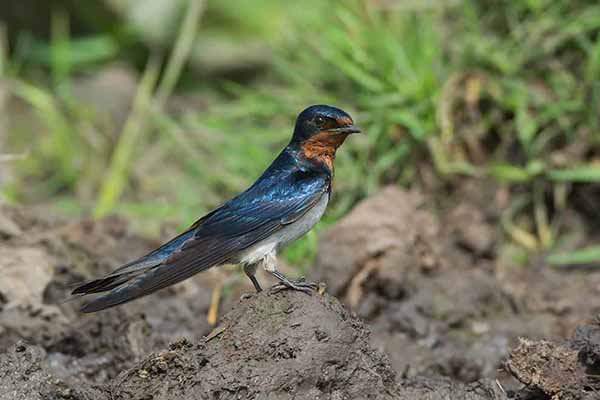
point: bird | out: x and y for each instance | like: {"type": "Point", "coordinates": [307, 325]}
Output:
{"type": "Point", "coordinates": [284, 203]}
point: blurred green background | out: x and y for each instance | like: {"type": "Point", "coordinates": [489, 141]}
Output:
{"type": "Point", "coordinates": [158, 110]}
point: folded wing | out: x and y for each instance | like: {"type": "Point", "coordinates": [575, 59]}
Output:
{"type": "Point", "coordinates": [215, 239]}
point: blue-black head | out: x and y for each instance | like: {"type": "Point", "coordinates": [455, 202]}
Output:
{"type": "Point", "coordinates": [322, 120]}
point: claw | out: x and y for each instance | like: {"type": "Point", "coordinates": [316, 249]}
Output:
{"type": "Point", "coordinates": [284, 283]}
{"type": "Point", "coordinates": [300, 285]}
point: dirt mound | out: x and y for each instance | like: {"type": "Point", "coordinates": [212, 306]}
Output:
{"type": "Point", "coordinates": [560, 370]}
{"type": "Point", "coordinates": [287, 345]}
{"type": "Point", "coordinates": [436, 294]}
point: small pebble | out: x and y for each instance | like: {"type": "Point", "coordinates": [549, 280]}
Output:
{"type": "Point", "coordinates": [20, 348]}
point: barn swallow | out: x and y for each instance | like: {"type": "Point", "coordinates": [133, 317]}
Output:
{"type": "Point", "coordinates": [287, 200]}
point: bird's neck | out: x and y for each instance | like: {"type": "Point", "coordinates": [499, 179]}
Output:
{"type": "Point", "coordinates": [320, 150]}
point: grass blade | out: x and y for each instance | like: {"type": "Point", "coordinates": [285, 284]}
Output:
{"type": "Point", "coordinates": [181, 52]}
{"type": "Point", "coordinates": [120, 164]}
{"type": "Point", "coordinates": [587, 255]}
{"type": "Point", "coordinates": [588, 173]}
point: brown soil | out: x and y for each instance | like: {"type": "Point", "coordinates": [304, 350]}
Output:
{"type": "Point", "coordinates": [438, 297]}
{"type": "Point", "coordinates": [443, 309]}
{"type": "Point", "coordinates": [43, 258]}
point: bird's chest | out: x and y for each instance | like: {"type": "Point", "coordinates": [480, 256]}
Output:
{"type": "Point", "coordinates": [304, 224]}
{"type": "Point", "coordinates": [287, 234]}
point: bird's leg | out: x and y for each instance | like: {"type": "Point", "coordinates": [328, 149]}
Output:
{"type": "Point", "coordinates": [250, 270]}
{"type": "Point", "coordinates": [270, 265]}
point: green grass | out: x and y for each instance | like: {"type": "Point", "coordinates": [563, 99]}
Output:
{"type": "Point", "coordinates": [506, 91]}
{"type": "Point", "coordinates": [587, 255]}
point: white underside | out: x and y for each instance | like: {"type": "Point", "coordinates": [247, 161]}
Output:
{"type": "Point", "coordinates": [266, 249]}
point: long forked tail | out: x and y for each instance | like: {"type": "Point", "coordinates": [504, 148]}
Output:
{"type": "Point", "coordinates": [130, 286]}
{"type": "Point", "coordinates": [166, 266]}
{"type": "Point", "coordinates": [125, 276]}
{"type": "Point", "coordinates": [112, 285]}
{"type": "Point", "coordinates": [109, 284]}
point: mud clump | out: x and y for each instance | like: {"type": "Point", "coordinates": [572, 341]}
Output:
{"type": "Point", "coordinates": [560, 370]}
{"type": "Point", "coordinates": [388, 223]}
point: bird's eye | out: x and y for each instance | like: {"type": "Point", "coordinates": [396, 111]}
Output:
{"type": "Point", "coordinates": [319, 121]}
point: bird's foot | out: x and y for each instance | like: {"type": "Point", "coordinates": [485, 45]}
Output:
{"type": "Point", "coordinates": [301, 285]}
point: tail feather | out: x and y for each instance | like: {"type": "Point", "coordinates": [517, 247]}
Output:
{"type": "Point", "coordinates": [111, 284]}
{"type": "Point", "coordinates": [101, 285]}
{"type": "Point", "coordinates": [116, 278]}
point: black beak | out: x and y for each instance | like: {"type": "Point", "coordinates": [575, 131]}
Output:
{"type": "Point", "coordinates": [346, 129]}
